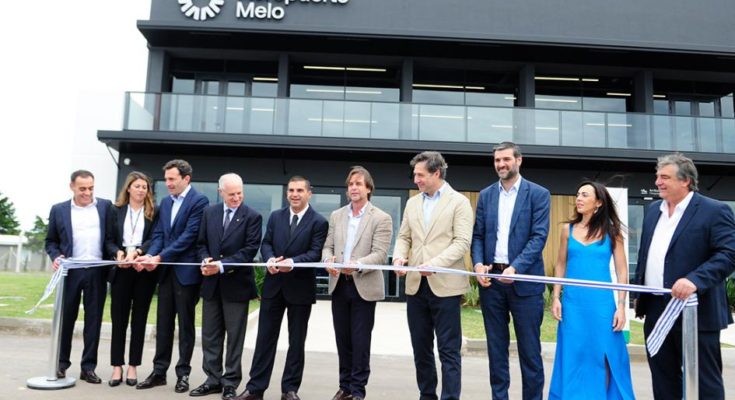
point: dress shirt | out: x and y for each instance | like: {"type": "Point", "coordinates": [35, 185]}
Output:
{"type": "Point", "coordinates": [430, 204]}
{"type": "Point", "coordinates": [224, 215]}
{"type": "Point", "coordinates": [353, 222]}
{"type": "Point", "coordinates": [86, 235]}
{"type": "Point", "coordinates": [300, 215]}
{"type": "Point", "coordinates": [133, 227]}
{"type": "Point", "coordinates": [661, 240]}
{"type": "Point", "coordinates": [506, 204]}
{"type": "Point", "coordinates": [178, 201]}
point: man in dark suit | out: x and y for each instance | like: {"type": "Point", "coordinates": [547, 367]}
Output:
{"type": "Point", "coordinates": [77, 230]}
{"type": "Point", "coordinates": [511, 227]}
{"type": "Point", "coordinates": [294, 234]}
{"type": "Point", "coordinates": [174, 240]}
{"type": "Point", "coordinates": [688, 245]}
{"type": "Point", "coordinates": [230, 233]}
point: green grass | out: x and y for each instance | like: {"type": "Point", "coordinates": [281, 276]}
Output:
{"type": "Point", "coordinates": [19, 292]}
{"type": "Point", "coordinates": [473, 327]}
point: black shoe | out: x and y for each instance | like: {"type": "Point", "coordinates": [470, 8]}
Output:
{"type": "Point", "coordinates": [60, 373]}
{"type": "Point", "coordinates": [182, 384]}
{"type": "Point", "coordinates": [90, 377]}
{"type": "Point", "coordinates": [131, 381]}
{"type": "Point", "coordinates": [114, 382]}
{"type": "Point", "coordinates": [228, 393]}
{"type": "Point", "coordinates": [246, 395]}
{"type": "Point", "coordinates": [205, 389]}
{"type": "Point", "coordinates": [290, 396]}
{"type": "Point", "coordinates": [151, 381]}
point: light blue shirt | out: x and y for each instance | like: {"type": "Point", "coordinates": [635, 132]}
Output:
{"type": "Point", "coordinates": [353, 222]}
{"type": "Point", "coordinates": [506, 204]}
{"type": "Point", "coordinates": [178, 200]}
{"type": "Point", "coordinates": [430, 204]}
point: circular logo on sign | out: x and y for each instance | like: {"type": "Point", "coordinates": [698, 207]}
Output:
{"type": "Point", "coordinates": [201, 13]}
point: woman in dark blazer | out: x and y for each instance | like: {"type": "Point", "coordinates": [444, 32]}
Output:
{"type": "Point", "coordinates": [132, 286]}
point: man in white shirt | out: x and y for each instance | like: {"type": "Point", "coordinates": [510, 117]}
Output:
{"type": "Point", "coordinates": [688, 245]}
{"type": "Point", "coordinates": [76, 230]}
{"type": "Point", "coordinates": [511, 227]}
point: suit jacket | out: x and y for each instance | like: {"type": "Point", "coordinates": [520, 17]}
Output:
{"type": "Point", "coordinates": [305, 245]}
{"type": "Point", "coordinates": [177, 242]}
{"type": "Point", "coordinates": [239, 244]}
{"type": "Point", "coordinates": [701, 250]}
{"type": "Point", "coordinates": [60, 236]}
{"type": "Point", "coordinates": [529, 228]}
{"type": "Point", "coordinates": [443, 243]}
{"type": "Point", "coordinates": [370, 246]}
{"type": "Point", "coordinates": [116, 225]}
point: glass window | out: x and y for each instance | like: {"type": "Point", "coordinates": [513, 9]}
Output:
{"type": "Point", "coordinates": [685, 98]}
{"type": "Point", "coordinates": [599, 93]}
{"type": "Point", "coordinates": [341, 82]}
{"type": "Point", "coordinates": [392, 206]}
{"type": "Point", "coordinates": [433, 85]}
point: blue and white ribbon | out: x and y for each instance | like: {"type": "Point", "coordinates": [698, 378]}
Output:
{"type": "Point", "coordinates": [666, 322]}
{"type": "Point", "coordinates": [660, 331]}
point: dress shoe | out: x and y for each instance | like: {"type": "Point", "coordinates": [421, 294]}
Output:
{"type": "Point", "coordinates": [357, 398]}
{"type": "Point", "coordinates": [205, 389]}
{"type": "Point", "coordinates": [182, 384]}
{"type": "Point", "coordinates": [228, 393]}
{"type": "Point", "coordinates": [341, 395]}
{"type": "Point", "coordinates": [249, 396]}
{"type": "Point", "coordinates": [151, 381]}
{"type": "Point", "coordinates": [290, 396]}
{"type": "Point", "coordinates": [60, 373]}
{"type": "Point", "coordinates": [90, 377]}
{"type": "Point", "coordinates": [114, 382]}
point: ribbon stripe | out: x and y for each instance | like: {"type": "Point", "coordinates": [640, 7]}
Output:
{"type": "Point", "coordinates": [653, 344]}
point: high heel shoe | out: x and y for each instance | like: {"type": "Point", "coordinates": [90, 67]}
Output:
{"type": "Point", "coordinates": [131, 381]}
{"type": "Point", "coordinates": [115, 382]}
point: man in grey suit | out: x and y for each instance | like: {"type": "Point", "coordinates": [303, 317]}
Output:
{"type": "Point", "coordinates": [359, 234]}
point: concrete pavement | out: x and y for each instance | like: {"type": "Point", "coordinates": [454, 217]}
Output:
{"type": "Point", "coordinates": [25, 356]}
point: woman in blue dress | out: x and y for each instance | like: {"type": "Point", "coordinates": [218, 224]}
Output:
{"type": "Point", "coordinates": [591, 356]}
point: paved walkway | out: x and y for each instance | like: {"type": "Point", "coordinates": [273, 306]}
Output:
{"type": "Point", "coordinates": [392, 377]}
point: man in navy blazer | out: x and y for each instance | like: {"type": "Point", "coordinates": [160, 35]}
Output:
{"type": "Point", "coordinates": [511, 226]}
{"type": "Point", "coordinates": [174, 240]}
{"type": "Point", "coordinates": [688, 245]}
{"type": "Point", "coordinates": [77, 229]}
{"type": "Point", "coordinates": [230, 233]}
{"type": "Point", "coordinates": [294, 234]}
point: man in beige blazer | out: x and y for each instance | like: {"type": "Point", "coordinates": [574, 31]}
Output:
{"type": "Point", "coordinates": [359, 234]}
{"type": "Point", "coordinates": [436, 231]}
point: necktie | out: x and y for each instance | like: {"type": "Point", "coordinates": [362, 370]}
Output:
{"type": "Point", "coordinates": [294, 223]}
{"type": "Point", "coordinates": [228, 218]}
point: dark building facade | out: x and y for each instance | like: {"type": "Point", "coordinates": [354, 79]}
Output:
{"type": "Point", "coordinates": [269, 89]}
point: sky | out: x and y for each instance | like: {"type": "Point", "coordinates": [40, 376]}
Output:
{"type": "Point", "coordinates": [66, 67]}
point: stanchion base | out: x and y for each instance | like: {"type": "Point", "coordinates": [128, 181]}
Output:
{"type": "Point", "coordinates": [46, 383]}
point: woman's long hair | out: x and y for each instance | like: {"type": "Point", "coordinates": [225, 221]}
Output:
{"type": "Point", "coordinates": [123, 198]}
{"type": "Point", "coordinates": [605, 220]}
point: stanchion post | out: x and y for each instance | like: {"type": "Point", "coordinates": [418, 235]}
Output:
{"type": "Point", "coordinates": [51, 381]}
{"type": "Point", "coordinates": [690, 353]}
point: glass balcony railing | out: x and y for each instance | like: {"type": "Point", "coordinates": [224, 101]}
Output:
{"type": "Point", "coordinates": [406, 121]}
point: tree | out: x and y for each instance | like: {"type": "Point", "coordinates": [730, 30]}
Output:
{"type": "Point", "coordinates": [37, 240]}
{"type": "Point", "coordinates": [8, 222]}
{"type": "Point", "coordinates": [37, 236]}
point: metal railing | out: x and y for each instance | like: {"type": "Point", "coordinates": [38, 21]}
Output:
{"type": "Point", "coordinates": [425, 122]}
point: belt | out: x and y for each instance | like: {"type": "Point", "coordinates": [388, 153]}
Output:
{"type": "Point", "coordinates": [499, 267]}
